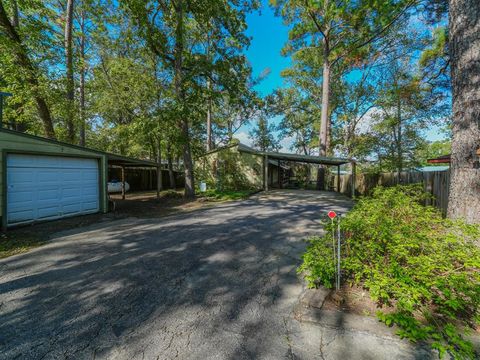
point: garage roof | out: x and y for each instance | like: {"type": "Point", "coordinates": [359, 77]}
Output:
{"type": "Point", "coordinates": [113, 159]}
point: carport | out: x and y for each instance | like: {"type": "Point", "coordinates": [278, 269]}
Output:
{"type": "Point", "coordinates": [309, 159]}
{"type": "Point", "coordinates": [123, 162]}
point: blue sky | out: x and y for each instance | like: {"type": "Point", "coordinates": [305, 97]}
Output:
{"type": "Point", "coordinates": [268, 36]}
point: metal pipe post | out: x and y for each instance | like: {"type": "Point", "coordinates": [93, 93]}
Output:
{"type": "Point", "coordinates": [123, 182]}
{"type": "Point", "coordinates": [338, 253]}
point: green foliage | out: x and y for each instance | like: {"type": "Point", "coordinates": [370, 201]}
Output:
{"type": "Point", "coordinates": [171, 194]}
{"type": "Point", "coordinates": [411, 259]}
{"type": "Point", "coordinates": [262, 136]}
{"type": "Point", "coordinates": [433, 149]}
{"type": "Point", "coordinates": [328, 41]}
{"type": "Point", "coordinates": [438, 47]}
{"type": "Point", "coordinates": [224, 195]}
{"type": "Point", "coordinates": [13, 245]}
{"type": "Point", "coordinates": [224, 170]}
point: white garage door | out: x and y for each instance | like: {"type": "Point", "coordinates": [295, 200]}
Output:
{"type": "Point", "coordinates": [50, 187]}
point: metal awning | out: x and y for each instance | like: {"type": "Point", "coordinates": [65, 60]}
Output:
{"type": "Point", "coordinates": [322, 160]}
{"type": "Point", "coordinates": [118, 160]}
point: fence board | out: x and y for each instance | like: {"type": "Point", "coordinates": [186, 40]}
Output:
{"type": "Point", "coordinates": [436, 183]}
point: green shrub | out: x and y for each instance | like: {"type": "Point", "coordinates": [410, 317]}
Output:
{"type": "Point", "coordinates": [410, 258]}
{"type": "Point", "coordinates": [225, 172]}
{"type": "Point", "coordinates": [171, 194]}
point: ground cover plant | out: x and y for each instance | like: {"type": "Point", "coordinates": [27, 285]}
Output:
{"type": "Point", "coordinates": [223, 195]}
{"type": "Point", "coordinates": [423, 267]}
{"type": "Point", "coordinates": [12, 245]}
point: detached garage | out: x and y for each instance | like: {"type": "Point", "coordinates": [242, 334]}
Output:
{"type": "Point", "coordinates": [43, 179]}
{"type": "Point", "coordinates": [41, 187]}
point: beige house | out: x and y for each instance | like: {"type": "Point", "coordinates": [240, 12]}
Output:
{"type": "Point", "coordinates": [238, 166]}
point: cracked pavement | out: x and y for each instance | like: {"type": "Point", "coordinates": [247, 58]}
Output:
{"type": "Point", "coordinates": [216, 283]}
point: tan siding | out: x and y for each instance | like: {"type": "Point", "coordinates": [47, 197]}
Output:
{"type": "Point", "coordinates": [249, 167]}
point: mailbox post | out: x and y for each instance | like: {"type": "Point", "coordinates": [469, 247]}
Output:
{"type": "Point", "coordinates": [336, 252]}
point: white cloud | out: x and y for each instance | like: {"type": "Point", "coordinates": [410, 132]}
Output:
{"type": "Point", "coordinates": [367, 122]}
{"type": "Point", "coordinates": [286, 143]}
{"type": "Point", "coordinates": [243, 137]}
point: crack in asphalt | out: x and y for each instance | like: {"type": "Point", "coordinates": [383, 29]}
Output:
{"type": "Point", "coordinates": [164, 287]}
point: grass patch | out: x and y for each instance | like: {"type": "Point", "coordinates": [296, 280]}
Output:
{"type": "Point", "coordinates": [171, 194]}
{"type": "Point", "coordinates": [224, 195]}
{"type": "Point", "coordinates": [13, 245]}
{"type": "Point", "coordinates": [424, 268]}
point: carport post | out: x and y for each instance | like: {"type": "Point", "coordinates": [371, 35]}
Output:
{"type": "Point", "coordinates": [338, 178]}
{"type": "Point", "coordinates": [354, 165]}
{"type": "Point", "coordinates": [278, 175]}
{"type": "Point", "coordinates": [159, 181]}
{"type": "Point", "coordinates": [265, 178]}
{"type": "Point", "coordinates": [123, 182]}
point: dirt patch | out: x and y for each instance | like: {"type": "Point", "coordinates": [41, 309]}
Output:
{"type": "Point", "coordinates": [146, 204]}
{"type": "Point", "coordinates": [139, 204]}
{"type": "Point", "coordinates": [354, 300]}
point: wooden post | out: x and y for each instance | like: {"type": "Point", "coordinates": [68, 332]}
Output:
{"type": "Point", "coordinates": [159, 181]}
{"type": "Point", "coordinates": [278, 175]}
{"type": "Point", "coordinates": [338, 178]}
{"type": "Point", "coordinates": [1, 110]}
{"type": "Point", "coordinates": [354, 173]}
{"type": "Point", "coordinates": [123, 182]}
{"type": "Point", "coordinates": [265, 178]}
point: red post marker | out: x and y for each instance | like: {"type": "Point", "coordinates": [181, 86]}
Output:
{"type": "Point", "coordinates": [332, 214]}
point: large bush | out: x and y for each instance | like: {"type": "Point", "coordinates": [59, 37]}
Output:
{"type": "Point", "coordinates": [225, 171]}
{"type": "Point", "coordinates": [426, 268]}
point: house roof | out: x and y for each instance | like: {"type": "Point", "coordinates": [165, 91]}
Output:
{"type": "Point", "coordinates": [433, 168]}
{"type": "Point", "coordinates": [444, 159]}
{"type": "Point", "coordinates": [113, 159]}
{"type": "Point", "coordinates": [325, 160]}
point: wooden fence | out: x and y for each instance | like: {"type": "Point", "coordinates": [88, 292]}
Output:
{"type": "Point", "coordinates": [435, 183]}
{"type": "Point", "coordinates": [142, 179]}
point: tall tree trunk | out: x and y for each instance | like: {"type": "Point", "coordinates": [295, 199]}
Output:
{"type": "Point", "coordinates": [69, 70]}
{"type": "Point", "coordinates": [30, 71]}
{"type": "Point", "coordinates": [171, 174]}
{"type": "Point", "coordinates": [83, 70]}
{"type": "Point", "coordinates": [464, 34]}
{"type": "Point", "coordinates": [15, 23]}
{"type": "Point", "coordinates": [324, 118]}
{"type": "Point", "coordinates": [328, 145]}
{"type": "Point", "coordinates": [399, 137]}
{"type": "Point", "coordinates": [15, 18]}
{"type": "Point", "coordinates": [209, 102]}
{"type": "Point", "coordinates": [229, 131]}
{"type": "Point", "coordinates": [159, 161]}
{"type": "Point", "coordinates": [180, 95]}
{"type": "Point", "coordinates": [209, 117]}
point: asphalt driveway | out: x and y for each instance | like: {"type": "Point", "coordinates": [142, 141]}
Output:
{"type": "Point", "coordinates": [217, 283]}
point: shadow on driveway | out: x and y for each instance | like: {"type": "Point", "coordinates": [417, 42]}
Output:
{"type": "Point", "coordinates": [216, 283]}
